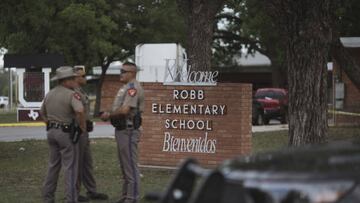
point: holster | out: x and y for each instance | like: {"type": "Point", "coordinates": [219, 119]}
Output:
{"type": "Point", "coordinates": [89, 126]}
{"type": "Point", "coordinates": [119, 124]}
{"type": "Point", "coordinates": [75, 132]}
{"type": "Point", "coordinates": [137, 120]}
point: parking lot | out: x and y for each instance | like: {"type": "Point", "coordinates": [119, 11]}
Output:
{"type": "Point", "coordinates": [274, 125]}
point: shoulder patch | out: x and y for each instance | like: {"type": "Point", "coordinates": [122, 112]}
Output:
{"type": "Point", "coordinates": [132, 92]}
{"type": "Point", "coordinates": [77, 96]}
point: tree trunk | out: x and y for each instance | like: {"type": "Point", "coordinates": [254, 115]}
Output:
{"type": "Point", "coordinates": [307, 34]}
{"type": "Point", "coordinates": [104, 68]}
{"type": "Point", "coordinates": [200, 18]}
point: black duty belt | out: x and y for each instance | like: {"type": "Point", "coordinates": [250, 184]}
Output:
{"type": "Point", "coordinates": [127, 127]}
{"type": "Point", "coordinates": [56, 125]}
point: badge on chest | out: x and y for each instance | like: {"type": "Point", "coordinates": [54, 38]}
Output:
{"type": "Point", "coordinates": [132, 92]}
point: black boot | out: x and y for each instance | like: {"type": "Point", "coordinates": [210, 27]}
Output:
{"type": "Point", "coordinates": [96, 195]}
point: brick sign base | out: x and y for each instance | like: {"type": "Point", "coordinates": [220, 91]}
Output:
{"type": "Point", "coordinates": [208, 123]}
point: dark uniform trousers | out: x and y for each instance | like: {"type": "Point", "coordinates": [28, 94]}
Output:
{"type": "Point", "coordinates": [86, 176]}
{"type": "Point", "coordinates": [127, 142]}
{"type": "Point", "coordinates": [62, 152]}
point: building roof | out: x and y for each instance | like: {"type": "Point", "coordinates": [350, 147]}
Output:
{"type": "Point", "coordinates": [350, 42]}
{"type": "Point", "coordinates": [256, 59]}
{"type": "Point", "coordinates": [114, 69]}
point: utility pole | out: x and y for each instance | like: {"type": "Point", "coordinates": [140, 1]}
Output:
{"type": "Point", "coordinates": [10, 89]}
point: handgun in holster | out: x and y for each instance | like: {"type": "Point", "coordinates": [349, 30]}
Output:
{"type": "Point", "coordinates": [75, 132]}
{"type": "Point", "coordinates": [137, 120]}
{"type": "Point", "coordinates": [89, 126]}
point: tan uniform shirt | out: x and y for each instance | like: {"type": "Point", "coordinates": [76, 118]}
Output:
{"type": "Point", "coordinates": [131, 94]}
{"type": "Point", "coordinates": [85, 101]}
{"type": "Point", "coordinates": [60, 105]}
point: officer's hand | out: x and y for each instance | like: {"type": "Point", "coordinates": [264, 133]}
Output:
{"type": "Point", "coordinates": [83, 129]}
{"type": "Point", "coordinates": [105, 116]}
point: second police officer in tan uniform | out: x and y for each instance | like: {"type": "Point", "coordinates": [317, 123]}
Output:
{"type": "Point", "coordinates": [61, 108]}
{"type": "Point", "coordinates": [86, 176]}
{"type": "Point", "coordinates": [125, 116]}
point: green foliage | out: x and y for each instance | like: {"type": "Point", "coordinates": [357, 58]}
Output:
{"type": "Point", "coordinates": [147, 22]}
{"type": "Point", "coordinates": [23, 25]}
{"type": "Point", "coordinates": [246, 24]}
{"type": "Point", "coordinates": [86, 32]}
{"type": "Point", "coordinates": [348, 14]}
{"type": "Point", "coordinates": [83, 35]}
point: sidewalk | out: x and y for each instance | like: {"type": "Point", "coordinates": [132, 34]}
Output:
{"type": "Point", "coordinates": [38, 124]}
{"type": "Point", "coordinates": [10, 132]}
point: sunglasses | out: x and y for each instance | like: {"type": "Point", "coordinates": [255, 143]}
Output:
{"type": "Point", "coordinates": [124, 71]}
{"type": "Point", "coordinates": [77, 68]}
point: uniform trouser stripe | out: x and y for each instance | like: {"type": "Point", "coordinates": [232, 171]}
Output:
{"type": "Point", "coordinates": [73, 176]}
{"type": "Point", "coordinates": [127, 153]}
{"type": "Point", "coordinates": [134, 171]}
{"type": "Point", "coordinates": [62, 154]}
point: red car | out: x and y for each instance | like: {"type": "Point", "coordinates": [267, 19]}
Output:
{"type": "Point", "coordinates": [270, 103]}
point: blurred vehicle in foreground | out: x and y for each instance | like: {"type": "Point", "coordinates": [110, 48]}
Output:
{"type": "Point", "coordinates": [315, 174]}
{"type": "Point", "coordinates": [270, 103]}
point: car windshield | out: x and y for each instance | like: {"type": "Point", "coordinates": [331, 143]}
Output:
{"type": "Point", "coordinates": [269, 94]}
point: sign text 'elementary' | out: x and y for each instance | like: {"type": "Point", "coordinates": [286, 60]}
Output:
{"type": "Point", "coordinates": [203, 143]}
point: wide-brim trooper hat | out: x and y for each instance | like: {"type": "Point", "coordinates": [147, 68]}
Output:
{"type": "Point", "coordinates": [64, 72]}
{"type": "Point", "coordinates": [131, 68]}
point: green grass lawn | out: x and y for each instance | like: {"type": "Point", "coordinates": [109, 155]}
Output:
{"type": "Point", "coordinates": [7, 116]}
{"type": "Point", "coordinates": [22, 172]}
{"type": "Point", "coordinates": [269, 141]}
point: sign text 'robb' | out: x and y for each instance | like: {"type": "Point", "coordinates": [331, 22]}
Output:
{"type": "Point", "coordinates": [192, 105]}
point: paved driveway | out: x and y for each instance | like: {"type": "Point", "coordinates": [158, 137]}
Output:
{"type": "Point", "coordinates": [271, 127]}
{"type": "Point", "coordinates": [38, 132]}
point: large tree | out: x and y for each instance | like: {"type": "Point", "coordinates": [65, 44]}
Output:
{"type": "Point", "coordinates": [307, 33]}
{"type": "Point", "coordinates": [90, 32]}
{"type": "Point", "coordinates": [245, 25]}
{"type": "Point", "coordinates": [140, 22]}
{"type": "Point", "coordinates": [199, 17]}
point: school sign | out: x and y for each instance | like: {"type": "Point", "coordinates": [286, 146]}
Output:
{"type": "Point", "coordinates": [195, 117]}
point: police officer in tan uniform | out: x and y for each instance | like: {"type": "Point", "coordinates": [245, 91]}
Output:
{"type": "Point", "coordinates": [125, 116]}
{"type": "Point", "coordinates": [61, 107]}
{"type": "Point", "coordinates": [86, 176]}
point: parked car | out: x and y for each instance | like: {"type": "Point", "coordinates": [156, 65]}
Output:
{"type": "Point", "coordinates": [316, 174]}
{"type": "Point", "coordinates": [4, 101]}
{"type": "Point", "coordinates": [270, 103]}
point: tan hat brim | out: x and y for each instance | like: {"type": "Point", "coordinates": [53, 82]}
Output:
{"type": "Point", "coordinates": [58, 78]}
